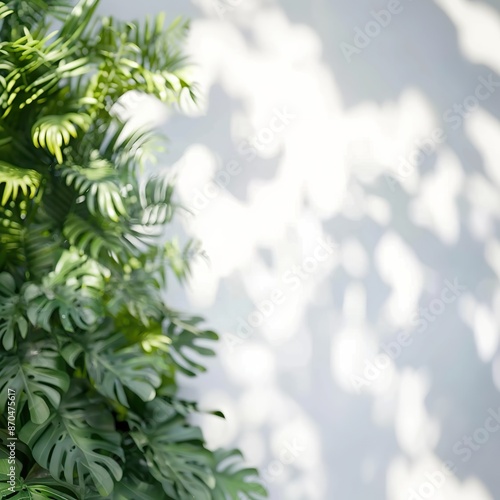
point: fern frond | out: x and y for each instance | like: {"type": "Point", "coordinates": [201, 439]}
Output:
{"type": "Point", "coordinates": [92, 239]}
{"type": "Point", "coordinates": [100, 185]}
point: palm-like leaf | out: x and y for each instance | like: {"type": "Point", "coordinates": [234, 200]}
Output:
{"type": "Point", "coordinates": [100, 186]}
{"type": "Point", "coordinates": [35, 247]}
{"type": "Point", "coordinates": [15, 180]}
{"type": "Point", "coordinates": [101, 243]}
{"type": "Point", "coordinates": [28, 13]}
{"type": "Point", "coordinates": [5, 10]}
{"type": "Point", "coordinates": [11, 231]}
{"type": "Point", "coordinates": [54, 132]}
{"type": "Point", "coordinates": [130, 150]}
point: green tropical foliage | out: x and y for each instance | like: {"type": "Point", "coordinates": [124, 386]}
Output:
{"type": "Point", "coordinates": [87, 342]}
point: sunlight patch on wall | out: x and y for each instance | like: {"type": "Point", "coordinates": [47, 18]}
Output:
{"type": "Point", "coordinates": [429, 477]}
{"type": "Point", "coordinates": [416, 431]}
{"type": "Point", "coordinates": [478, 26]}
{"type": "Point", "coordinates": [436, 205]}
{"type": "Point", "coordinates": [401, 269]}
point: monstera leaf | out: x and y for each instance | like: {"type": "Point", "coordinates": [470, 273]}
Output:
{"type": "Point", "coordinates": [137, 482]}
{"type": "Point", "coordinates": [176, 458]}
{"type": "Point", "coordinates": [72, 290]}
{"type": "Point", "coordinates": [234, 482]}
{"type": "Point", "coordinates": [78, 441]}
{"type": "Point", "coordinates": [35, 371]}
{"type": "Point", "coordinates": [113, 366]}
{"type": "Point", "coordinates": [186, 344]}
{"type": "Point", "coordinates": [22, 456]}
{"type": "Point", "coordinates": [36, 489]}
{"type": "Point", "coordinates": [112, 370]}
{"type": "Point", "coordinates": [38, 486]}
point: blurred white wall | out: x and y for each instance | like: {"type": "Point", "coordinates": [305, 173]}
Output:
{"type": "Point", "coordinates": [344, 169]}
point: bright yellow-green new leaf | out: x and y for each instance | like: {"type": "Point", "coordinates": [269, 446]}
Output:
{"type": "Point", "coordinates": [15, 179]}
{"type": "Point", "coordinates": [55, 131]}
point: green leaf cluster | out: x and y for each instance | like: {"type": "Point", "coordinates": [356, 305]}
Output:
{"type": "Point", "coordinates": [87, 341]}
